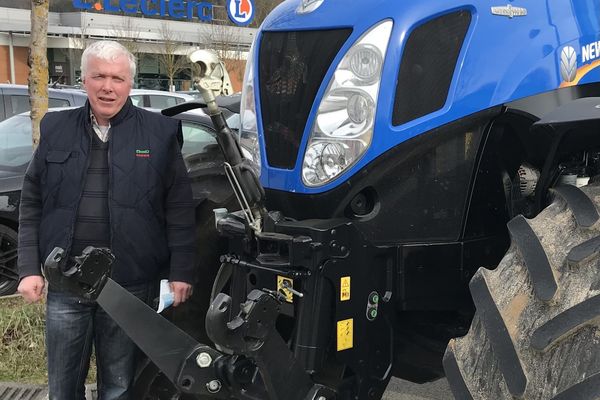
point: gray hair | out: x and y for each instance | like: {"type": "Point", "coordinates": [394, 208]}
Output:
{"type": "Point", "coordinates": [107, 50]}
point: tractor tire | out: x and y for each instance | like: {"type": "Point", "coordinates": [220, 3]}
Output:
{"type": "Point", "coordinates": [535, 334]}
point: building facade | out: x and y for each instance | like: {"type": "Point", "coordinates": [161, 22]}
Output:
{"type": "Point", "coordinates": [151, 39]}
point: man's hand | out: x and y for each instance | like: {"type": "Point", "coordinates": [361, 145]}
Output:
{"type": "Point", "coordinates": [31, 288]}
{"type": "Point", "coordinates": [181, 292]}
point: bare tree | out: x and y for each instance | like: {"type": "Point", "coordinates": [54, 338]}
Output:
{"type": "Point", "coordinates": [38, 65]}
{"type": "Point", "coordinates": [262, 8]}
{"type": "Point", "coordinates": [82, 40]}
{"type": "Point", "coordinates": [128, 34]}
{"type": "Point", "coordinates": [225, 41]}
{"type": "Point", "coordinates": [171, 62]}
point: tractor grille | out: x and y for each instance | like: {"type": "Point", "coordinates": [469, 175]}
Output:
{"type": "Point", "coordinates": [292, 67]}
{"type": "Point", "coordinates": [428, 63]}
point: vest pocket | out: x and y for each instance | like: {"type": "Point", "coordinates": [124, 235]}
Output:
{"type": "Point", "coordinates": [59, 169]}
{"type": "Point", "coordinates": [57, 156]}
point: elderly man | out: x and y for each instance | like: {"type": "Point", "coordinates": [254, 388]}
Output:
{"type": "Point", "coordinates": [106, 175]}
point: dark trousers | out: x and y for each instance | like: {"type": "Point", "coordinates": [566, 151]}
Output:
{"type": "Point", "coordinates": [73, 324]}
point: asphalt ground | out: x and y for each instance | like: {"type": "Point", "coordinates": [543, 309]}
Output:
{"type": "Point", "coordinates": [397, 390]}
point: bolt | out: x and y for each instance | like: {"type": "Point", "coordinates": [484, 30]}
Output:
{"type": "Point", "coordinates": [321, 398]}
{"type": "Point", "coordinates": [374, 298]}
{"type": "Point", "coordinates": [213, 386]}
{"type": "Point", "coordinates": [203, 360]}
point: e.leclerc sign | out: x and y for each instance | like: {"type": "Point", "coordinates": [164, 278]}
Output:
{"type": "Point", "coordinates": [173, 8]}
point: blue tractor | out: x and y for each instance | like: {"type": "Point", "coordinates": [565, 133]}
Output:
{"type": "Point", "coordinates": [418, 199]}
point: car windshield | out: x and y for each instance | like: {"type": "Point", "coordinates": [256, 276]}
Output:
{"type": "Point", "coordinates": [15, 141]}
{"type": "Point", "coordinates": [233, 121]}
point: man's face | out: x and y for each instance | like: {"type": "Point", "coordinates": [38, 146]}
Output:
{"type": "Point", "coordinates": [107, 84]}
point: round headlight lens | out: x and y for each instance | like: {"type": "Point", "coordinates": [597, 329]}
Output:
{"type": "Point", "coordinates": [359, 108]}
{"type": "Point", "coordinates": [324, 160]}
{"type": "Point", "coordinates": [333, 159]}
{"type": "Point", "coordinates": [365, 62]}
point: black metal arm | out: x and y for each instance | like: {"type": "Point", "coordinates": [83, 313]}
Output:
{"type": "Point", "coordinates": [257, 364]}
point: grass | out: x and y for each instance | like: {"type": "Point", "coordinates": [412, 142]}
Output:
{"type": "Point", "coordinates": [22, 342]}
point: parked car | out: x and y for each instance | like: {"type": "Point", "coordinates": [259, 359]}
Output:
{"type": "Point", "coordinates": [14, 99]}
{"type": "Point", "coordinates": [194, 93]}
{"type": "Point", "coordinates": [201, 154]}
{"type": "Point", "coordinates": [157, 99]}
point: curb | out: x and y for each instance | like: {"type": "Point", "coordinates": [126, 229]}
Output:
{"type": "Point", "coordinates": [19, 391]}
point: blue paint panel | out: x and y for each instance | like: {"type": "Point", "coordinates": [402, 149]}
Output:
{"type": "Point", "coordinates": [502, 59]}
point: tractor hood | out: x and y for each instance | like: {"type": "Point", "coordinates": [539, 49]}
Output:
{"type": "Point", "coordinates": [443, 62]}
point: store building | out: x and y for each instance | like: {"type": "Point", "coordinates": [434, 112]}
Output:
{"type": "Point", "coordinates": [149, 38]}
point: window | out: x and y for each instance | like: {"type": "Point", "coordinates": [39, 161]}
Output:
{"type": "Point", "coordinates": [160, 102]}
{"type": "Point", "coordinates": [200, 149]}
{"type": "Point", "coordinates": [196, 138]}
{"type": "Point", "coordinates": [16, 145]}
{"type": "Point", "coordinates": [137, 100]}
{"type": "Point", "coordinates": [54, 103]}
{"type": "Point", "coordinates": [2, 108]}
{"type": "Point", "coordinates": [18, 104]}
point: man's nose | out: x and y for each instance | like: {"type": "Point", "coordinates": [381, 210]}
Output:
{"type": "Point", "coordinates": [107, 85]}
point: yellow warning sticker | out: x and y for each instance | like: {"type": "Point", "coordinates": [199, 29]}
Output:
{"type": "Point", "coordinates": [344, 288]}
{"type": "Point", "coordinates": [345, 333]}
{"type": "Point", "coordinates": [282, 284]}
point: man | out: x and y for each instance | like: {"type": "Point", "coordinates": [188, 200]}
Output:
{"type": "Point", "coordinates": [106, 175]}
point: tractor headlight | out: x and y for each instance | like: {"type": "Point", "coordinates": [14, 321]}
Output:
{"type": "Point", "coordinates": [365, 62]}
{"type": "Point", "coordinates": [248, 133]}
{"type": "Point", "coordinates": [343, 126]}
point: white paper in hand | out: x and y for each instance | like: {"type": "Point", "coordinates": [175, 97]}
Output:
{"type": "Point", "coordinates": [166, 297]}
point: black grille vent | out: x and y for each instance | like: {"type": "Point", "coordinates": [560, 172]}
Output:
{"type": "Point", "coordinates": [428, 63]}
{"type": "Point", "coordinates": [292, 67]}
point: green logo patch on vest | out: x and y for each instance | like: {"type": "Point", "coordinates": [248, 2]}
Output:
{"type": "Point", "coordinates": [142, 153]}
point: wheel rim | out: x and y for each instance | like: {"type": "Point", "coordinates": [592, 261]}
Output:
{"type": "Point", "coordinates": [8, 262]}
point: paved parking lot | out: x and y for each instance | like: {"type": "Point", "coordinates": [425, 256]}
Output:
{"type": "Point", "coordinates": [399, 389]}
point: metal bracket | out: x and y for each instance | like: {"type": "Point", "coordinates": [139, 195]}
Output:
{"type": "Point", "coordinates": [84, 275]}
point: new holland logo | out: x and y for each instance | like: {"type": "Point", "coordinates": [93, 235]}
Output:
{"type": "Point", "coordinates": [509, 11]}
{"type": "Point", "coordinates": [308, 6]}
{"type": "Point", "coordinates": [568, 64]}
{"type": "Point", "coordinates": [241, 12]}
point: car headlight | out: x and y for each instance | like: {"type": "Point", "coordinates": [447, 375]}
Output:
{"type": "Point", "coordinates": [248, 133]}
{"type": "Point", "coordinates": [343, 127]}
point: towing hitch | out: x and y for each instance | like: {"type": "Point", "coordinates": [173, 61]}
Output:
{"type": "Point", "coordinates": [255, 362]}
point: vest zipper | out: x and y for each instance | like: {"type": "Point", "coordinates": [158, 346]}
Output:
{"type": "Point", "coordinates": [83, 175]}
{"type": "Point", "coordinates": [109, 194]}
